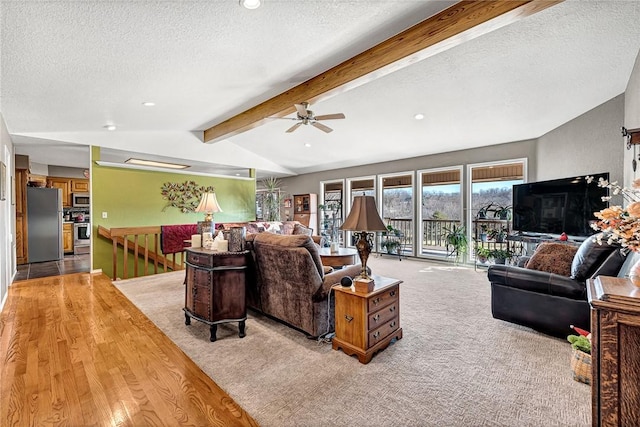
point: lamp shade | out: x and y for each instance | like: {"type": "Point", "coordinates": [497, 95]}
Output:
{"type": "Point", "coordinates": [209, 204]}
{"type": "Point", "coordinates": [364, 216]}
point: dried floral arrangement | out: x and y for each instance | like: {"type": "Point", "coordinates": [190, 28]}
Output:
{"type": "Point", "coordinates": [184, 196]}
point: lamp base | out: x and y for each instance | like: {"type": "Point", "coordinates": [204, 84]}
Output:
{"type": "Point", "coordinates": [364, 286]}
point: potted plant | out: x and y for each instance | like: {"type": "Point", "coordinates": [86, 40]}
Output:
{"type": "Point", "coordinates": [500, 256]}
{"type": "Point", "coordinates": [502, 212]}
{"type": "Point", "coordinates": [483, 254]}
{"type": "Point", "coordinates": [499, 235]}
{"type": "Point", "coordinates": [484, 228]}
{"type": "Point", "coordinates": [455, 237]}
{"type": "Point", "coordinates": [484, 210]}
{"type": "Point", "coordinates": [391, 241]}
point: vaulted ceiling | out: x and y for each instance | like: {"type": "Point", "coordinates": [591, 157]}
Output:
{"type": "Point", "coordinates": [69, 68]}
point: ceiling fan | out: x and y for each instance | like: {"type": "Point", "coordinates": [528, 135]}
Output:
{"type": "Point", "coordinates": [306, 117]}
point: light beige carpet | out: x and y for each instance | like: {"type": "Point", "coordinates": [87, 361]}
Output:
{"type": "Point", "coordinates": [455, 366]}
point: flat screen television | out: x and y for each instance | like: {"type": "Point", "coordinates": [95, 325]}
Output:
{"type": "Point", "coordinates": [558, 206]}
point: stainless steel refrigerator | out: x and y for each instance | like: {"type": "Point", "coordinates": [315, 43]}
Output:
{"type": "Point", "coordinates": [44, 224]}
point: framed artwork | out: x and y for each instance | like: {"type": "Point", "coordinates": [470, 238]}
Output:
{"type": "Point", "coordinates": [287, 203]}
{"type": "Point", "coordinates": [3, 181]}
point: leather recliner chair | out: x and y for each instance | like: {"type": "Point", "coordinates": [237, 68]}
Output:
{"type": "Point", "coordinates": [548, 302]}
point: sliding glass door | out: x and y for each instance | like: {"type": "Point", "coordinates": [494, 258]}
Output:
{"type": "Point", "coordinates": [397, 205]}
{"type": "Point", "coordinates": [361, 186]}
{"type": "Point", "coordinates": [440, 208]}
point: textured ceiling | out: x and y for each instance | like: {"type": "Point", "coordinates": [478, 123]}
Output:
{"type": "Point", "coordinates": [69, 68]}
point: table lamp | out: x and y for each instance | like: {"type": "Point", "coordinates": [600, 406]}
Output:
{"type": "Point", "coordinates": [208, 205]}
{"type": "Point", "coordinates": [363, 219]}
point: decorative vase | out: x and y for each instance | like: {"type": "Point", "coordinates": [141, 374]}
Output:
{"type": "Point", "coordinates": [335, 247]}
{"type": "Point", "coordinates": [634, 273]}
{"type": "Point", "coordinates": [236, 239]}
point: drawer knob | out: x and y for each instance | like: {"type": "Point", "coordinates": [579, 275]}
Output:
{"type": "Point", "coordinates": [392, 324]}
{"type": "Point", "coordinates": [349, 318]}
{"type": "Point", "coordinates": [376, 301]}
{"type": "Point", "coordinates": [376, 334]}
{"type": "Point", "coordinates": [392, 308]}
{"type": "Point", "coordinates": [376, 317]}
{"type": "Point", "coordinates": [392, 293]}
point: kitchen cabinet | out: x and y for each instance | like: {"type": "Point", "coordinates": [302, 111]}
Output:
{"type": "Point", "coordinates": [65, 185]}
{"type": "Point", "coordinates": [21, 216]}
{"type": "Point", "coordinates": [305, 210]}
{"type": "Point", "coordinates": [79, 185]}
{"type": "Point", "coordinates": [67, 237]}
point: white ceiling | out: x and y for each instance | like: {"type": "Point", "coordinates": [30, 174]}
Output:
{"type": "Point", "coordinates": [71, 67]}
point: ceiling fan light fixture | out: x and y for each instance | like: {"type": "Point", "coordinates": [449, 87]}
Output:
{"type": "Point", "coordinates": [250, 4]}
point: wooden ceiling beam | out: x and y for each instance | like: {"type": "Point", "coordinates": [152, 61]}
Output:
{"type": "Point", "coordinates": [453, 26]}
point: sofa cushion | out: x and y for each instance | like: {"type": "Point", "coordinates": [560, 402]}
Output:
{"type": "Point", "coordinates": [553, 258]}
{"type": "Point", "coordinates": [589, 257]}
{"type": "Point", "coordinates": [301, 229]}
{"type": "Point", "coordinates": [292, 241]}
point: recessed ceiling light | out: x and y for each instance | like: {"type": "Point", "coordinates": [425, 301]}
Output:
{"type": "Point", "coordinates": [419, 116]}
{"type": "Point", "coordinates": [307, 145]}
{"type": "Point", "coordinates": [149, 104]}
{"type": "Point", "coordinates": [237, 174]}
{"type": "Point", "coordinates": [153, 163]}
{"type": "Point", "coordinates": [110, 127]}
{"type": "Point", "coordinates": [251, 4]}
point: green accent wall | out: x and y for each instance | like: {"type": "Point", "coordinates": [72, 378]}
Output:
{"type": "Point", "coordinates": [131, 198]}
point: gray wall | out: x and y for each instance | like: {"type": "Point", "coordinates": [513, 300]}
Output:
{"type": "Point", "coordinates": [7, 216]}
{"type": "Point", "coordinates": [310, 183]}
{"type": "Point", "coordinates": [632, 120]}
{"type": "Point", "coordinates": [590, 143]}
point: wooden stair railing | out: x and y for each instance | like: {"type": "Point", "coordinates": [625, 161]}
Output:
{"type": "Point", "coordinates": [121, 237]}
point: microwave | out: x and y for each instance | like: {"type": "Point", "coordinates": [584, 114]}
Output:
{"type": "Point", "coordinates": [80, 200]}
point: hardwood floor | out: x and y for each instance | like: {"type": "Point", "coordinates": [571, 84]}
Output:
{"type": "Point", "coordinates": [76, 352]}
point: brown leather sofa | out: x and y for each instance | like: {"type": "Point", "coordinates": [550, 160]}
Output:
{"type": "Point", "coordinates": [549, 302]}
{"type": "Point", "coordinates": [290, 283]}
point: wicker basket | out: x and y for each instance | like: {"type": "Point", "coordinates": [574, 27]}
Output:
{"type": "Point", "coordinates": [581, 366]}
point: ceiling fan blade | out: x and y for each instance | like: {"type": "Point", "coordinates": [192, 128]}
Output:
{"type": "Point", "coordinates": [302, 110]}
{"type": "Point", "coordinates": [281, 118]}
{"type": "Point", "coordinates": [322, 127]}
{"type": "Point", "coordinates": [330, 116]}
{"type": "Point", "coordinates": [294, 127]}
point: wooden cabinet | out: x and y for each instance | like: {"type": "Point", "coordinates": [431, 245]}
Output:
{"type": "Point", "coordinates": [67, 237]}
{"type": "Point", "coordinates": [22, 248]}
{"type": "Point", "coordinates": [305, 208]}
{"type": "Point", "coordinates": [215, 290]}
{"type": "Point", "coordinates": [615, 345]}
{"type": "Point", "coordinates": [79, 185]}
{"type": "Point", "coordinates": [367, 322]}
{"type": "Point", "coordinates": [65, 185]}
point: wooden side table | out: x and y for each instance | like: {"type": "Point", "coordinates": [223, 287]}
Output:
{"type": "Point", "coordinates": [367, 322]}
{"type": "Point", "coordinates": [615, 351]}
{"type": "Point", "coordinates": [344, 256]}
{"type": "Point", "coordinates": [215, 289]}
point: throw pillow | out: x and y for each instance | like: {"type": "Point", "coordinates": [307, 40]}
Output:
{"type": "Point", "coordinates": [301, 229]}
{"type": "Point", "coordinates": [553, 258]}
{"type": "Point", "coordinates": [589, 257]}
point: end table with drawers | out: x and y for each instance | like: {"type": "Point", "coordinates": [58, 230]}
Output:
{"type": "Point", "coordinates": [215, 290]}
{"type": "Point", "coordinates": [367, 322]}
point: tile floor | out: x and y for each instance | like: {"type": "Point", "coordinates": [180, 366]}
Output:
{"type": "Point", "coordinates": [70, 264]}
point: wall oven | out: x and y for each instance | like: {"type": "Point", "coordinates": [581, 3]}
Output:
{"type": "Point", "coordinates": [80, 200]}
{"type": "Point", "coordinates": [81, 237]}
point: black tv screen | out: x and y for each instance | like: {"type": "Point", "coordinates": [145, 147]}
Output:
{"type": "Point", "coordinates": [558, 206]}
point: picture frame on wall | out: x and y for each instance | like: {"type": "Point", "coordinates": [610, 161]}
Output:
{"type": "Point", "coordinates": [287, 203]}
{"type": "Point", "coordinates": [3, 181]}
